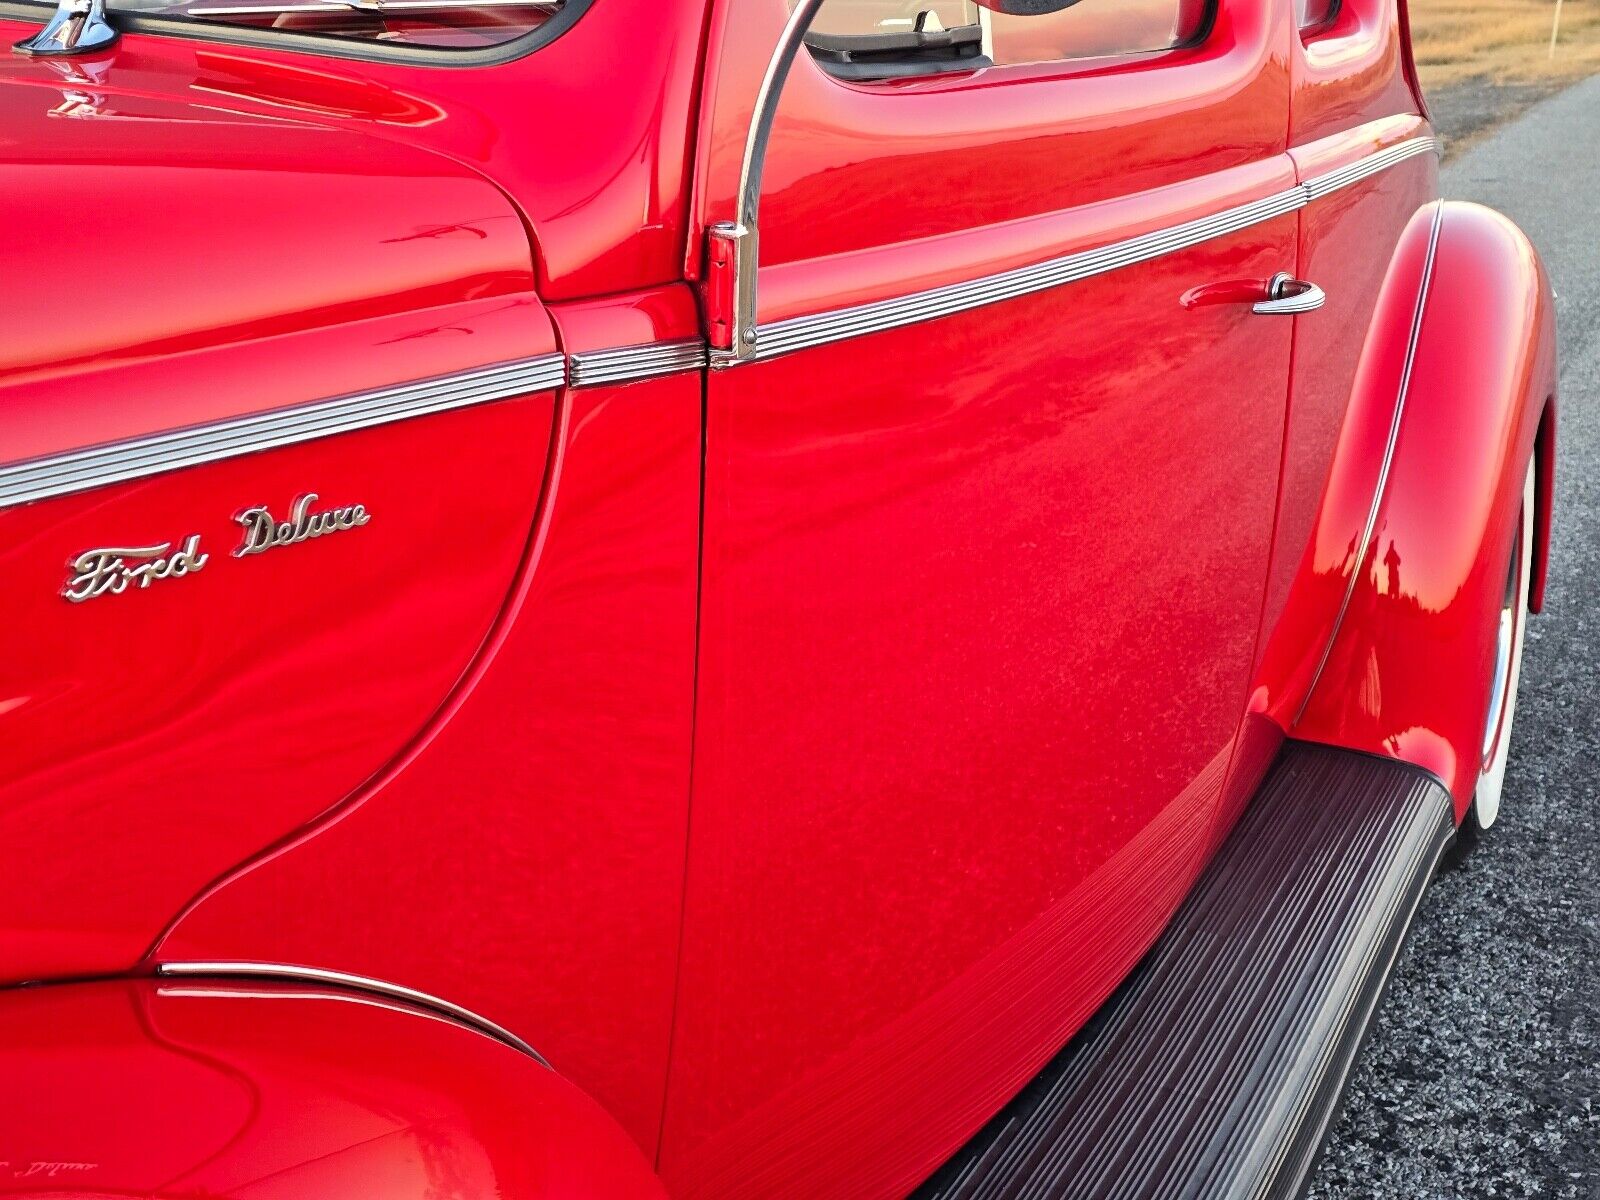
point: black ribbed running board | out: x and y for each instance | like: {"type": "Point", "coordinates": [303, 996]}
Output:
{"type": "Point", "coordinates": [1218, 1067]}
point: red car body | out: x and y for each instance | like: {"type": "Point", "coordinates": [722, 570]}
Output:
{"type": "Point", "coordinates": [753, 742]}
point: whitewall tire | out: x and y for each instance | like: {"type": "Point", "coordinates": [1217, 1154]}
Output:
{"type": "Point", "coordinates": [1507, 670]}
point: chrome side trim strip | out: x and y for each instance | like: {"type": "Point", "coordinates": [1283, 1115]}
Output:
{"type": "Point", "coordinates": [137, 458]}
{"type": "Point", "coordinates": [741, 237]}
{"type": "Point", "coordinates": [1369, 530]}
{"type": "Point", "coordinates": [798, 333]}
{"type": "Point", "coordinates": [624, 364]}
{"type": "Point", "coordinates": [80, 470]}
{"type": "Point", "coordinates": [292, 974]}
{"type": "Point", "coordinates": [1319, 186]}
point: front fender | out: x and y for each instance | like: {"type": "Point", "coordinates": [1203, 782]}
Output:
{"type": "Point", "coordinates": [168, 1088]}
{"type": "Point", "coordinates": [1407, 672]}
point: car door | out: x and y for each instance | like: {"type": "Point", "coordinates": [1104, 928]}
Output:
{"type": "Point", "coordinates": [988, 518]}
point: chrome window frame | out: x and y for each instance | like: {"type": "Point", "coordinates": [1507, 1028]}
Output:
{"type": "Point", "coordinates": [326, 45]}
{"type": "Point", "coordinates": [743, 233]}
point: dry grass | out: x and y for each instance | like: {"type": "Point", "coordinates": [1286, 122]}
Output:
{"type": "Point", "coordinates": [1506, 41]}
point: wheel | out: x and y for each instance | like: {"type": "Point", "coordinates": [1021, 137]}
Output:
{"type": "Point", "coordinates": [1507, 671]}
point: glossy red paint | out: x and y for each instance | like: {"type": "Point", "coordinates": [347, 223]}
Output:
{"type": "Point", "coordinates": [1407, 675]}
{"type": "Point", "coordinates": [419, 267]}
{"type": "Point", "coordinates": [259, 1091]}
{"type": "Point", "coordinates": [552, 793]}
{"type": "Point", "coordinates": [1314, 568]}
{"type": "Point", "coordinates": [643, 318]}
{"type": "Point", "coordinates": [1335, 434]}
{"type": "Point", "coordinates": [831, 281]}
{"type": "Point", "coordinates": [166, 733]}
{"type": "Point", "coordinates": [911, 730]}
{"type": "Point", "coordinates": [598, 172]}
{"type": "Point", "coordinates": [796, 755]}
{"type": "Point", "coordinates": [1349, 99]}
{"type": "Point", "coordinates": [1349, 71]}
{"type": "Point", "coordinates": [849, 173]}
{"type": "Point", "coordinates": [938, 695]}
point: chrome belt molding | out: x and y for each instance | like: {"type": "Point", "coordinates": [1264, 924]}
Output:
{"type": "Point", "coordinates": [799, 333]}
{"type": "Point", "coordinates": [624, 364]}
{"type": "Point", "coordinates": [136, 458]}
{"type": "Point", "coordinates": [735, 246]}
{"type": "Point", "coordinates": [1319, 186]}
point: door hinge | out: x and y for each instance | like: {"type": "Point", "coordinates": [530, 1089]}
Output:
{"type": "Point", "coordinates": [730, 293]}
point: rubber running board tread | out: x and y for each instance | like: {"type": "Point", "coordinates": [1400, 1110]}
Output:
{"type": "Point", "coordinates": [1216, 1070]}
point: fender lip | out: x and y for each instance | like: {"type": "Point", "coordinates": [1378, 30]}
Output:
{"type": "Point", "coordinates": [1408, 675]}
{"type": "Point", "coordinates": [142, 1086]}
{"type": "Point", "coordinates": [287, 973]}
{"type": "Point", "coordinates": [1369, 531]}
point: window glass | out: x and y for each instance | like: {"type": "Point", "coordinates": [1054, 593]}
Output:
{"type": "Point", "coordinates": [853, 18]}
{"type": "Point", "coordinates": [1094, 29]}
{"type": "Point", "coordinates": [1086, 29]}
{"type": "Point", "coordinates": [452, 24]}
{"type": "Point", "coordinates": [1314, 14]}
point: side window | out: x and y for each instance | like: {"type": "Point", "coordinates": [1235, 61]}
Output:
{"type": "Point", "coordinates": [441, 24]}
{"type": "Point", "coordinates": [883, 39]}
{"type": "Point", "coordinates": [1314, 15]}
{"type": "Point", "coordinates": [1095, 29]}
{"type": "Point", "coordinates": [856, 18]}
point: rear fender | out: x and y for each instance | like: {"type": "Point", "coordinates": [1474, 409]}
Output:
{"type": "Point", "coordinates": [1406, 673]}
{"type": "Point", "coordinates": [274, 1091]}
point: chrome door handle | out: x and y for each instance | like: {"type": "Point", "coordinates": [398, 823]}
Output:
{"type": "Point", "coordinates": [1287, 295]}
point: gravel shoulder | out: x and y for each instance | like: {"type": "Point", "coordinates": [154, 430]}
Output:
{"type": "Point", "coordinates": [1482, 1076]}
{"type": "Point", "coordinates": [1464, 112]}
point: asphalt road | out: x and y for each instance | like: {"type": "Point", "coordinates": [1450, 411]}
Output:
{"type": "Point", "coordinates": [1482, 1076]}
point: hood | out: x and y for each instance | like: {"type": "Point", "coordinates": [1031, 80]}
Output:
{"type": "Point", "coordinates": [161, 205]}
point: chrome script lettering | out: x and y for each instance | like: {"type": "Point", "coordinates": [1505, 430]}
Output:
{"type": "Point", "coordinates": [262, 532]}
{"type": "Point", "coordinates": [114, 569]}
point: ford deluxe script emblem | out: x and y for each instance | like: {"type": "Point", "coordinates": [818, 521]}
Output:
{"type": "Point", "coordinates": [114, 569]}
{"type": "Point", "coordinates": [262, 533]}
